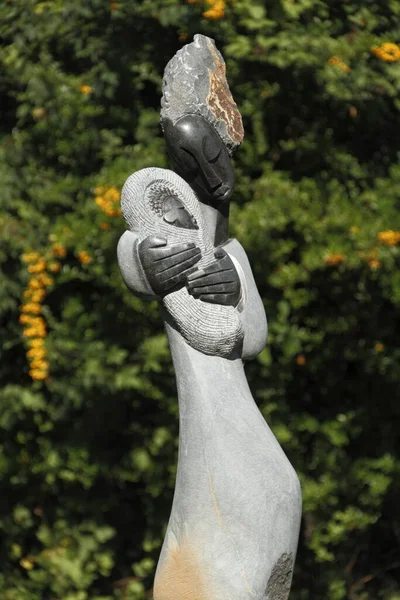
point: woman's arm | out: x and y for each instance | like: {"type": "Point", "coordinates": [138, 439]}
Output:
{"type": "Point", "coordinates": [250, 304]}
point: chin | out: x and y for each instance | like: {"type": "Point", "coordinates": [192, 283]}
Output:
{"type": "Point", "coordinates": [224, 199]}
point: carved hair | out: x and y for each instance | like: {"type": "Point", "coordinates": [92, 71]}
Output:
{"type": "Point", "coordinates": [195, 83]}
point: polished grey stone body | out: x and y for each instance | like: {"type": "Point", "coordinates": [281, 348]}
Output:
{"type": "Point", "coordinates": [235, 518]}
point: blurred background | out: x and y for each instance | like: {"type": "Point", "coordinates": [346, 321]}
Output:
{"type": "Point", "coordinates": [88, 412]}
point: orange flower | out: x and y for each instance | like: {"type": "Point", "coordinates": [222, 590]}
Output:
{"type": "Point", "coordinates": [34, 295]}
{"type": "Point", "coordinates": [84, 257]}
{"type": "Point", "coordinates": [25, 319]}
{"type": "Point", "coordinates": [54, 267]}
{"type": "Point", "coordinates": [36, 353]}
{"type": "Point", "coordinates": [301, 359]}
{"type": "Point", "coordinates": [387, 52]}
{"type": "Point", "coordinates": [379, 347]}
{"type": "Point", "coordinates": [30, 257]}
{"type": "Point", "coordinates": [114, 5]}
{"type": "Point", "coordinates": [86, 89]}
{"type": "Point", "coordinates": [59, 249]}
{"type": "Point", "coordinates": [104, 225]}
{"type": "Point", "coordinates": [108, 201]}
{"type": "Point", "coordinates": [374, 263]}
{"type": "Point", "coordinates": [38, 374]}
{"type": "Point", "coordinates": [334, 259]}
{"type": "Point", "coordinates": [389, 237]}
{"type": "Point", "coordinates": [36, 343]}
{"type": "Point", "coordinates": [217, 10]}
{"type": "Point", "coordinates": [31, 307]}
{"type": "Point", "coordinates": [337, 62]}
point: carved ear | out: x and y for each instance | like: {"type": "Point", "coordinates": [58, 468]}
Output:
{"type": "Point", "coordinates": [176, 214]}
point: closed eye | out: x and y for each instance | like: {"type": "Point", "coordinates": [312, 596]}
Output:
{"type": "Point", "coordinates": [213, 160]}
{"type": "Point", "coordinates": [211, 150]}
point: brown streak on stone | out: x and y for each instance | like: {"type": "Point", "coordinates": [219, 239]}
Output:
{"type": "Point", "coordinates": [220, 101]}
{"type": "Point", "coordinates": [279, 583]}
{"type": "Point", "coordinates": [180, 576]}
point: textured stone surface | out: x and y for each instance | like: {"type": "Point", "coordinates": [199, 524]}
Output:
{"type": "Point", "coordinates": [279, 583]}
{"type": "Point", "coordinates": [195, 83]}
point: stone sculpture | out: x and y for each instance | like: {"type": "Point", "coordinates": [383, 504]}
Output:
{"type": "Point", "coordinates": [234, 524]}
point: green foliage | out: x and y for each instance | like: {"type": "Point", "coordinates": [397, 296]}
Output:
{"type": "Point", "coordinates": [88, 446]}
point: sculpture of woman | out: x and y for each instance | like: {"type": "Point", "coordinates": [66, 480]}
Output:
{"type": "Point", "coordinates": [235, 518]}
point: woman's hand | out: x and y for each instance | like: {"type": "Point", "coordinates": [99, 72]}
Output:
{"type": "Point", "coordinates": [167, 267]}
{"type": "Point", "coordinates": [218, 283]}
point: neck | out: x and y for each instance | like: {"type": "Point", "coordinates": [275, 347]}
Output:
{"type": "Point", "coordinates": [217, 222]}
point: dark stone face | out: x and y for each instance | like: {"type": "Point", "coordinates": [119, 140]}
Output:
{"type": "Point", "coordinates": [200, 157]}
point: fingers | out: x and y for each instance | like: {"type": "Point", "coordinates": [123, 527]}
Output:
{"type": "Point", "coordinates": [201, 278]}
{"type": "Point", "coordinates": [224, 299]}
{"type": "Point", "coordinates": [177, 274]}
{"type": "Point", "coordinates": [223, 265]}
{"type": "Point", "coordinates": [160, 254]}
{"type": "Point", "coordinates": [219, 288]}
{"type": "Point", "coordinates": [186, 257]}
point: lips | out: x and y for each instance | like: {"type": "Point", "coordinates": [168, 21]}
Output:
{"type": "Point", "coordinates": [221, 191]}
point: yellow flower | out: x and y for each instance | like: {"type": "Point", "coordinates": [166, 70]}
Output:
{"type": "Point", "coordinates": [84, 257]}
{"type": "Point", "coordinates": [86, 89]}
{"type": "Point", "coordinates": [32, 307]}
{"type": "Point", "coordinates": [40, 364]}
{"type": "Point", "coordinates": [108, 201]}
{"type": "Point", "coordinates": [354, 229]}
{"type": "Point", "coordinates": [379, 347]}
{"type": "Point", "coordinates": [35, 331]}
{"type": "Point", "coordinates": [35, 284]}
{"type": "Point", "coordinates": [25, 319]}
{"type": "Point", "coordinates": [337, 62]}
{"type": "Point", "coordinates": [54, 267]}
{"type": "Point", "coordinates": [35, 295]}
{"type": "Point", "coordinates": [38, 267]}
{"type": "Point", "coordinates": [112, 194]}
{"type": "Point", "coordinates": [301, 360]}
{"type": "Point", "coordinates": [36, 343]}
{"type": "Point", "coordinates": [99, 190]}
{"type": "Point", "coordinates": [389, 237]}
{"type": "Point", "coordinates": [30, 257]}
{"type": "Point", "coordinates": [335, 258]}
{"type": "Point", "coordinates": [216, 11]}
{"type": "Point", "coordinates": [38, 374]}
{"type": "Point", "coordinates": [387, 52]}
{"type": "Point", "coordinates": [59, 249]}
{"type": "Point", "coordinates": [36, 353]}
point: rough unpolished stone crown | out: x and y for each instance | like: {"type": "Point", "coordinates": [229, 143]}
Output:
{"type": "Point", "coordinates": [195, 83]}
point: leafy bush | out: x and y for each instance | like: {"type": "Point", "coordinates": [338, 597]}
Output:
{"type": "Point", "coordinates": [88, 412]}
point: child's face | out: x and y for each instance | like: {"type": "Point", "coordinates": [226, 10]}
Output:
{"type": "Point", "coordinates": [200, 157]}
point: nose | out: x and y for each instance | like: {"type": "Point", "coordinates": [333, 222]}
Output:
{"type": "Point", "coordinates": [211, 177]}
